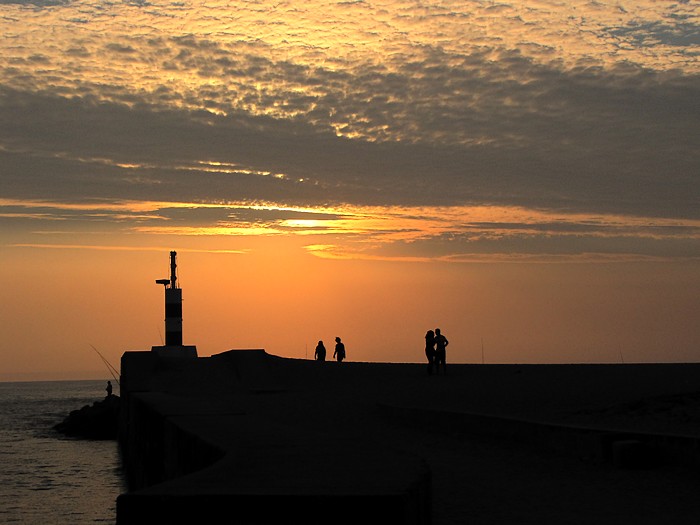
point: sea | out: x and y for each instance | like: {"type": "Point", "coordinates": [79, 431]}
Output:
{"type": "Point", "coordinates": [47, 478]}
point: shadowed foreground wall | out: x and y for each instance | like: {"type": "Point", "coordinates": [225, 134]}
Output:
{"type": "Point", "coordinates": [202, 444]}
{"type": "Point", "coordinates": [273, 440]}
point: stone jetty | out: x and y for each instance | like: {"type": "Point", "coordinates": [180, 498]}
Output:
{"type": "Point", "coordinates": [250, 438]}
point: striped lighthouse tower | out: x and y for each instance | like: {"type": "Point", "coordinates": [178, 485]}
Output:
{"type": "Point", "coordinates": [173, 307]}
{"type": "Point", "coordinates": [173, 316]}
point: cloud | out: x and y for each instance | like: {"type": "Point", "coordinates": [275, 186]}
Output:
{"type": "Point", "coordinates": [679, 33]}
{"type": "Point", "coordinates": [572, 108]}
{"type": "Point", "coordinates": [572, 143]}
{"type": "Point", "coordinates": [111, 248]}
{"type": "Point", "coordinates": [451, 234]}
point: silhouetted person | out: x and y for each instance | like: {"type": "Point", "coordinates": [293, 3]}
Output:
{"type": "Point", "coordinates": [339, 352]}
{"type": "Point", "coordinates": [109, 389]}
{"type": "Point", "coordinates": [320, 354]}
{"type": "Point", "coordinates": [441, 343]}
{"type": "Point", "coordinates": [430, 350]}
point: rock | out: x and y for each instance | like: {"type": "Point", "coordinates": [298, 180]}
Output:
{"type": "Point", "coordinates": [97, 421]}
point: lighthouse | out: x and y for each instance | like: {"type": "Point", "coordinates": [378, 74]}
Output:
{"type": "Point", "coordinates": [173, 316]}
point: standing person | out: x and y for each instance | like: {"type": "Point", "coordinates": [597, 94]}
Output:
{"type": "Point", "coordinates": [109, 389]}
{"type": "Point", "coordinates": [430, 350]}
{"type": "Point", "coordinates": [320, 354]}
{"type": "Point", "coordinates": [441, 343]}
{"type": "Point", "coordinates": [339, 353]}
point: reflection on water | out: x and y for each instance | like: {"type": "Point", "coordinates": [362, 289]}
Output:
{"type": "Point", "coordinates": [45, 477]}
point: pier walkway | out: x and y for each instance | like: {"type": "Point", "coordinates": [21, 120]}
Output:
{"type": "Point", "coordinates": [245, 437]}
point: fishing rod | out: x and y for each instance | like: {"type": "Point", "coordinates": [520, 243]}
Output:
{"type": "Point", "coordinates": [112, 370]}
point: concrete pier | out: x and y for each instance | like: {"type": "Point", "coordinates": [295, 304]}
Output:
{"type": "Point", "coordinates": [203, 442]}
{"type": "Point", "coordinates": [246, 437]}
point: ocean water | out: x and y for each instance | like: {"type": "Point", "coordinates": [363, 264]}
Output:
{"type": "Point", "coordinates": [45, 477]}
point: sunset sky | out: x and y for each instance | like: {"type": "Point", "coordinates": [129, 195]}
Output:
{"type": "Point", "coordinates": [524, 175]}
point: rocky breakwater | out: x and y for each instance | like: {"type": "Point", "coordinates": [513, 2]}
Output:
{"type": "Point", "coordinates": [97, 421]}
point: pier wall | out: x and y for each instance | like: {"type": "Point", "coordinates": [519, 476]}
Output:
{"type": "Point", "coordinates": [621, 448]}
{"type": "Point", "coordinates": [196, 451]}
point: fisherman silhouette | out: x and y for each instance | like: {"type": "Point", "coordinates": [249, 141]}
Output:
{"type": "Point", "coordinates": [320, 354]}
{"type": "Point", "coordinates": [339, 352]}
{"type": "Point", "coordinates": [441, 343]}
{"type": "Point", "coordinates": [430, 350]}
{"type": "Point", "coordinates": [109, 389]}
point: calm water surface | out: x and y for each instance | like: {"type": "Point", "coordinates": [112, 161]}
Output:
{"type": "Point", "coordinates": [46, 478]}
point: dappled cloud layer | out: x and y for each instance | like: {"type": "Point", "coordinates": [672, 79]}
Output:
{"type": "Point", "coordinates": [458, 131]}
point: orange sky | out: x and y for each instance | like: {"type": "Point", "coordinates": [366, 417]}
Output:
{"type": "Point", "coordinates": [522, 174]}
{"type": "Point", "coordinates": [282, 299]}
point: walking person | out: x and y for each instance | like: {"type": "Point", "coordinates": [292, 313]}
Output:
{"type": "Point", "coordinates": [339, 352]}
{"type": "Point", "coordinates": [320, 354]}
{"type": "Point", "coordinates": [430, 350]}
{"type": "Point", "coordinates": [441, 343]}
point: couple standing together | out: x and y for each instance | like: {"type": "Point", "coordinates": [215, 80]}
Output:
{"type": "Point", "coordinates": [338, 354]}
{"type": "Point", "coordinates": [435, 351]}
